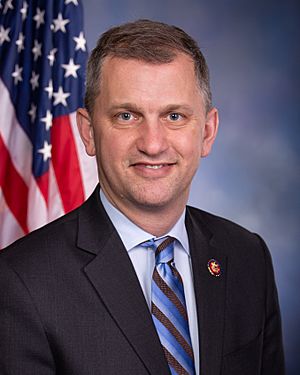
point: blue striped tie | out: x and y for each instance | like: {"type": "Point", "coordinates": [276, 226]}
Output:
{"type": "Point", "coordinates": [169, 310]}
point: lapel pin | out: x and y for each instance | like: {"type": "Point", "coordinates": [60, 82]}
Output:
{"type": "Point", "coordinates": [214, 267]}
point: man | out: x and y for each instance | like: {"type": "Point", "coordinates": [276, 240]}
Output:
{"type": "Point", "coordinates": [90, 293]}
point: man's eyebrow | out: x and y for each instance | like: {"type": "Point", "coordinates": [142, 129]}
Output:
{"type": "Point", "coordinates": [169, 108]}
{"type": "Point", "coordinates": [178, 107]}
{"type": "Point", "coordinates": [129, 106]}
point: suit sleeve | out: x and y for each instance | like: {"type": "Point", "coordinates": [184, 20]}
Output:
{"type": "Point", "coordinates": [273, 356]}
{"type": "Point", "coordinates": [24, 348]}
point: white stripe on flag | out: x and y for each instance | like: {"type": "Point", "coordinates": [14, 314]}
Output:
{"type": "Point", "coordinates": [10, 229]}
{"type": "Point", "coordinates": [37, 214]}
{"type": "Point", "coordinates": [88, 166]}
{"type": "Point", "coordinates": [55, 202]}
{"type": "Point", "coordinates": [14, 137]}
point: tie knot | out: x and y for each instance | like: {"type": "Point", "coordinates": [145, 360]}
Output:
{"type": "Point", "coordinates": [164, 252]}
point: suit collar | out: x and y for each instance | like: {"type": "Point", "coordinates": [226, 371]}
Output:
{"type": "Point", "coordinates": [113, 277]}
{"type": "Point", "coordinates": [133, 235]}
{"type": "Point", "coordinates": [210, 291]}
{"type": "Point", "coordinates": [94, 226]}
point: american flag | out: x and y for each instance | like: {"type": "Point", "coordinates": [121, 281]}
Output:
{"type": "Point", "coordinates": [44, 171]}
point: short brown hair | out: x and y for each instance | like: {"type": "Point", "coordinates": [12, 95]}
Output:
{"type": "Point", "coordinates": [146, 40]}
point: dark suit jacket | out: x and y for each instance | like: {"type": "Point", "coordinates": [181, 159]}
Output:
{"type": "Point", "coordinates": [71, 303]}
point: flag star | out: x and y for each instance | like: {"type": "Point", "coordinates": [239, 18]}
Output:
{"type": "Point", "coordinates": [71, 69]}
{"type": "Point", "coordinates": [75, 2]}
{"type": "Point", "coordinates": [60, 23]}
{"type": "Point", "coordinates": [49, 89]}
{"type": "Point", "coordinates": [34, 81]}
{"type": "Point", "coordinates": [17, 74]}
{"type": "Point", "coordinates": [23, 10]}
{"type": "Point", "coordinates": [20, 42]}
{"type": "Point", "coordinates": [32, 112]}
{"type": "Point", "coordinates": [47, 119]}
{"type": "Point", "coordinates": [39, 17]}
{"type": "Point", "coordinates": [4, 35]}
{"type": "Point", "coordinates": [60, 97]}
{"type": "Point", "coordinates": [51, 56]}
{"type": "Point", "coordinates": [8, 5]}
{"type": "Point", "coordinates": [37, 50]}
{"type": "Point", "coordinates": [46, 151]}
{"type": "Point", "coordinates": [80, 42]}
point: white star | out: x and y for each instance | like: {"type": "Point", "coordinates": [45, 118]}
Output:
{"type": "Point", "coordinates": [51, 56]}
{"type": "Point", "coordinates": [47, 119]}
{"type": "Point", "coordinates": [71, 69]}
{"type": "Point", "coordinates": [32, 112]}
{"type": "Point", "coordinates": [20, 42]}
{"type": "Point", "coordinates": [46, 151]}
{"type": "Point", "coordinates": [39, 17]}
{"type": "Point", "coordinates": [75, 2]}
{"type": "Point", "coordinates": [4, 35]}
{"type": "Point", "coordinates": [34, 80]}
{"type": "Point", "coordinates": [60, 23]}
{"type": "Point", "coordinates": [49, 89]}
{"type": "Point", "coordinates": [24, 10]}
{"type": "Point", "coordinates": [80, 42]}
{"type": "Point", "coordinates": [8, 5]}
{"type": "Point", "coordinates": [60, 97]}
{"type": "Point", "coordinates": [17, 74]}
{"type": "Point", "coordinates": [37, 50]}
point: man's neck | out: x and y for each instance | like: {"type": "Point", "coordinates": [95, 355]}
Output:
{"type": "Point", "coordinates": [154, 220]}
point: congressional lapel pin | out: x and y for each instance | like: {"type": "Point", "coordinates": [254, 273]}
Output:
{"type": "Point", "coordinates": [214, 267]}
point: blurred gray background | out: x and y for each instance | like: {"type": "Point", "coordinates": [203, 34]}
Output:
{"type": "Point", "coordinates": [252, 177]}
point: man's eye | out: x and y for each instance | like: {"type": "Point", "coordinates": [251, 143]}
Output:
{"type": "Point", "coordinates": [125, 116]}
{"type": "Point", "coordinates": [174, 116]}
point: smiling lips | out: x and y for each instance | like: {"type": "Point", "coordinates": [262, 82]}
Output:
{"type": "Point", "coordinates": [152, 166]}
{"type": "Point", "coordinates": [143, 167]}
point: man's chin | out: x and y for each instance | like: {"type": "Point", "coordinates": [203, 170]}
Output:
{"type": "Point", "coordinates": [152, 202]}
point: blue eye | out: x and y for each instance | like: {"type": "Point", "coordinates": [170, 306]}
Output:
{"type": "Point", "coordinates": [126, 116]}
{"type": "Point", "coordinates": [175, 116]}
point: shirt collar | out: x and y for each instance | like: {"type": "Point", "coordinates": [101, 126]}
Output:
{"type": "Point", "coordinates": [132, 235]}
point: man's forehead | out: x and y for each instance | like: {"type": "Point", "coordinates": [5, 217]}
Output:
{"type": "Point", "coordinates": [120, 60]}
{"type": "Point", "coordinates": [117, 70]}
{"type": "Point", "coordinates": [132, 80]}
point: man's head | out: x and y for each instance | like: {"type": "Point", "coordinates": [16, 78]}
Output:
{"type": "Point", "coordinates": [148, 120]}
{"type": "Point", "coordinates": [148, 41]}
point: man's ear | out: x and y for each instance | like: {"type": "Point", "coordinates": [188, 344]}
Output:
{"type": "Point", "coordinates": [210, 131]}
{"type": "Point", "coordinates": [86, 131]}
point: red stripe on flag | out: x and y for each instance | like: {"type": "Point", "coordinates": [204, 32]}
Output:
{"type": "Point", "coordinates": [13, 186]}
{"type": "Point", "coordinates": [66, 164]}
{"type": "Point", "coordinates": [43, 184]}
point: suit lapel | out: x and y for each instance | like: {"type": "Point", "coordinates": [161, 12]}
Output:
{"type": "Point", "coordinates": [113, 277]}
{"type": "Point", "coordinates": [210, 294]}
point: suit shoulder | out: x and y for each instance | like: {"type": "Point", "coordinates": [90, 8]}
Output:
{"type": "Point", "coordinates": [227, 238]}
{"type": "Point", "coordinates": [222, 227]}
{"type": "Point", "coordinates": [43, 239]}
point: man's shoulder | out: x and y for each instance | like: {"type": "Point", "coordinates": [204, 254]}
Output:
{"type": "Point", "coordinates": [228, 239]}
{"type": "Point", "coordinates": [48, 236]}
{"type": "Point", "coordinates": [214, 221]}
{"type": "Point", "coordinates": [222, 228]}
{"type": "Point", "coordinates": [42, 240]}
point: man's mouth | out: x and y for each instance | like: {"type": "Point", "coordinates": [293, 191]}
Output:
{"type": "Point", "coordinates": [156, 166]}
{"type": "Point", "coordinates": [152, 166]}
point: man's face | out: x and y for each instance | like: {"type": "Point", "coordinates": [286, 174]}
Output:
{"type": "Point", "coordinates": [149, 131]}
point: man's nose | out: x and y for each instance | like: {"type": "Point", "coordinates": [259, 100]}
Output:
{"type": "Point", "coordinates": [152, 139]}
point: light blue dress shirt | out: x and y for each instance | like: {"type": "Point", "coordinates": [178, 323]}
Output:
{"type": "Point", "coordinates": [143, 260]}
